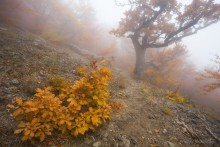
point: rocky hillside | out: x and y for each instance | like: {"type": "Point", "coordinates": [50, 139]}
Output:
{"type": "Point", "coordinates": [27, 62]}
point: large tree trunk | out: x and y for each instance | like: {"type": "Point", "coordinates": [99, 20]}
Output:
{"type": "Point", "coordinates": [140, 57]}
{"type": "Point", "coordinates": [140, 61]}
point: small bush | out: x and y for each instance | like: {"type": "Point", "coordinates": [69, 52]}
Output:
{"type": "Point", "coordinates": [176, 97]}
{"type": "Point", "coordinates": [72, 109]}
{"type": "Point", "coordinates": [166, 109]}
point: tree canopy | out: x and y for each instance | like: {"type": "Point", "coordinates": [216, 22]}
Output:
{"type": "Point", "coordinates": [159, 23]}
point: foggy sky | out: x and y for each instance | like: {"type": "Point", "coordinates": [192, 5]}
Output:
{"type": "Point", "coordinates": [202, 46]}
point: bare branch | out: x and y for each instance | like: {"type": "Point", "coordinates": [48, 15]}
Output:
{"type": "Point", "coordinates": [176, 39]}
{"type": "Point", "coordinates": [189, 24]}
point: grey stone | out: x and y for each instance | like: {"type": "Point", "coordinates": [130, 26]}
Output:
{"type": "Point", "coordinates": [6, 90]}
{"type": "Point", "coordinates": [97, 144]}
{"type": "Point", "coordinates": [105, 135]}
{"type": "Point", "coordinates": [41, 73]}
{"type": "Point", "coordinates": [15, 82]}
{"type": "Point", "coordinates": [151, 116]}
{"type": "Point", "coordinates": [3, 29]}
{"type": "Point", "coordinates": [88, 140]}
{"type": "Point", "coordinates": [134, 141]}
{"type": "Point", "coordinates": [184, 130]}
{"type": "Point", "coordinates": [114, 143]}
{"type": "Point", "coordinates": [169, 144]}
{"type": "Point", "coordinates": [105, 139]}
{"type": "Point", "coordinates": [125, 142]}
{"type": "Point", "coordinates": [164, 131]}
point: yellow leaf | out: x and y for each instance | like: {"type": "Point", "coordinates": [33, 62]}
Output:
{"type": "Point", "coordinates": [95, 97]}
{"type": "Point", "coordinates": [10, 106]}
{"type": "Point", "coordinates": [44, 115]}
{"type": "Point", "coordinates": [75, 132]}
{"type": "Point", "coordinates": [34, 121]}
{"type": "Point", "coordinates": [27, 132]}
{"type": "Point", "coordinates": [32, 134]}
{"type": "Point", "coordinates": [72, 101]}
{"type": "Point", "coordinates": [82, 130]}
{"type": "Point", "coordinates": [38, 134]}
{"type": "Point", "coordinates": [91, 127]}
{"type": "Point", "coordinates": [17, 112]}
{"type": "Point", "coordinates": [19, 101]}
{"type": "Point", "coordinates": [68, 123]}
{"type": "Point", "coordinates": [42, 136]}
{"type": "Point", "coordinates": [51, 113]}
{"type": "Point", "coordinates": [96, 120]}
{"type": "Point", "coordinates": [18, 131]}
{"type": "Point", "coordinates": [24, 138]}
{"type": "Point", "coordinates": [29, 102]}
{"type": "Point", "coordinates": [61, 122]}
{"type": "Point", "coordinates": [30, 110]}
{"type": "Point", "coordinates": [21, 125]}
{"type": "Point", "coordinates": [88, 120]}
{"type": "Point", "coordinates": [48, 133]}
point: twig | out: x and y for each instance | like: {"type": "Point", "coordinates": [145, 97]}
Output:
{"type": "Point", "coordinates": [3, 134]}
{"type": "Point", "coordinates": [192, 134]}
{"type": "Point", "coordinates": [212, 134]}
{"type": "Point", "coordinates": [208, 129]}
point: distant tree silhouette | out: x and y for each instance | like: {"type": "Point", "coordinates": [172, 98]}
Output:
{"type": "Point", "coordinates": [213, 75]}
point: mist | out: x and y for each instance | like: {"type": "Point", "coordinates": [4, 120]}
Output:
{"type": "Point", "coordinates": [151, 69]}
{"type": "Point", "coordinates": [201, 47]}
{"type": "Point", "coordinates": [92, 21]}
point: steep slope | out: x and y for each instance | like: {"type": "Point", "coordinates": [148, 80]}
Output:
{"type": "Point", "coordinates": [27, 61]}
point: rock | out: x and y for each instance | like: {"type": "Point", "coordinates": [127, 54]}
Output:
{"type": "Point", "coordinates": [88, 140]}
{"type": "Point", "coordinates": [3, 29]}
{"type": "Point", "coordinates": [105, 139]}
{"type": "Point", "coordinates": [157, 130]}
{"type": "Point", "coordinates": [150, 132]}
{"type": "Point", "coordinates": [164, 131]}
{"type": "Point", "coordinates": [169, 144]}
{"type": "Point", "coordinates": [125, 142]}
{"type": "Point", "coordinates": [134, 141]}
{"type": "Point", "coordinates": [41, 72]}
{"type": "Point", "coordinates": [6, 90]}
{"type": "Point", "coordinates": [178, 122]}
{"type": "Point", "coordinates": [151, 116]}
{"type": "Point", "coordinates": [105, 135]}
{"type": "Point", "coordinates": [114, 143]}
{"type": "Point", "coordinates": [15, 82]}
{"type": "Point", "coordinates": [97, 144]}
{"type": "Point", "coordinates": [184, 130]}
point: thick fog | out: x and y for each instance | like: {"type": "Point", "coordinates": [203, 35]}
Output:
{"type": "Point", "coordinates": [201, 46]}
{"type": "Point", "coordinates": [86, 26]}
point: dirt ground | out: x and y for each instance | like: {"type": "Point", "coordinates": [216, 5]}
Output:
{"type": "Point", "coordinates": [148, 120]}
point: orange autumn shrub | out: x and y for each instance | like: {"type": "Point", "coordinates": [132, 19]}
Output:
{"type": "Point", "coordinates": [73, 109]}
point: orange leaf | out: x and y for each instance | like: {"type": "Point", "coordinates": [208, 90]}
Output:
{"type": "Point", "coordinates": [10, 106]}
{"type": "Point", "coordinates": [18, 131]}
{"type": "Point", "coordinates": [19, 101]}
